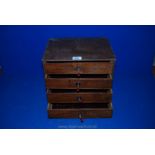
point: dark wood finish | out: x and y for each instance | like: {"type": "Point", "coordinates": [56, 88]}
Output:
{"type": "Point", "coordinates": [79, 83]}
{"type": "Point", "coordinates": [89, 97]}
{"type": "Point", "coordinates": [79, 68]}
{"type": "Point", "coordinates": [78, 77]}
{"type": "Point", "coordinates": [76, 113]}
{"type": "Point", "coordinates": [90, 49]}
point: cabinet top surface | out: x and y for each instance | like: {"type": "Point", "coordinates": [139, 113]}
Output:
{"type": "Point", "coordinates": [78, 49]}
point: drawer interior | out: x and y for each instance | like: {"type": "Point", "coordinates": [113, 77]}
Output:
{"type": "Point", "coordinates": [106, 76]}
{"type": "Point", "coordinates": [80, 91]}
{"type": "Point", "coordinates": [64, 62]}
{"type": "Point", "coordinates": [79, 106]}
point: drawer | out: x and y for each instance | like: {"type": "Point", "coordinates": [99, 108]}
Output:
{"type": "Point", "coordinates": [99, 82]}
{"type": "Point", "coordinates": [89, 111]}
{"type": "Point", "coordinates": [80, 97]}
{"type": "Point", "coordinates": [79, 68]}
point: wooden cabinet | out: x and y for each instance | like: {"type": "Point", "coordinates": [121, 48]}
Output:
{"type": "Point", "coordinates": [78, 77]}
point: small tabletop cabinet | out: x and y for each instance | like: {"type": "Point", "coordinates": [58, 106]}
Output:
{"type": "Point", "coordinates": [78, 77]}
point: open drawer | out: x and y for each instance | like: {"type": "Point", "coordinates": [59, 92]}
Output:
{"type": "Point", "coordinates": [94, 110]}
{"type": "Point", "coordinates": [83, 96]}
{"type": "Point", "coordinates": [82, 82]}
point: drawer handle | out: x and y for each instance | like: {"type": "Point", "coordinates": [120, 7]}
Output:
{"type": "Point", "coordinates": [77, 84]}
{"type": "Point", "coordinates": [77, 68]}
{"type": "Point", "coordinates": [79, 99]}
{"type": "Point", "coordinates": [81, 119]}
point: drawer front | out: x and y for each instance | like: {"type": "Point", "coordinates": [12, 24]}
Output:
{"type": "Point", "coordinates": [79, 97]}
{"type": "Point", "coordinates": [79, 113]}
{"type": "Point", "coordinates": [75, 83]}
{"type": "Point", "coordinates": [79, 68]}
{"type": "Point", "coordinates": [75, 113]}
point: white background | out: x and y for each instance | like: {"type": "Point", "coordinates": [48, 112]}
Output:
{"type": "Point", "coordinates": [77, 141]}
{"type": "Point", "coordinates": [77, 12]}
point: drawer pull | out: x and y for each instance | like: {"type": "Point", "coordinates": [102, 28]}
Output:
{"type": "Point", "coordinates": [78, 85]}
{"type": "Point", "coordinates": [79, 99]}
{"type": "Point", "coordinates": [77, 68]}
{"type": "Point", "coordinates": [81, 119]}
